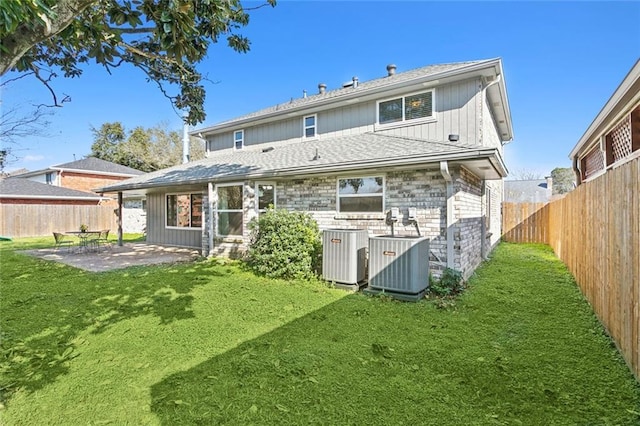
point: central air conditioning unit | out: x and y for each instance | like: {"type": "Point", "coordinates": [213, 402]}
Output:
{"type": "Point", "coordinates": [344, 256]}
{"type": "Point", "coordinates": [399, 266]}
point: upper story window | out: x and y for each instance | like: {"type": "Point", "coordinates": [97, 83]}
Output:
{"type": "Point", "coordinates": [50, 178]}
{"type": "Point", "coordinates": [411, 107]}
{"type": "Point", "coordinates": [238, 139]}
{"type": "Point", "coordinates": [361, 195]}
{"type": "Point", "coordinates": [309, 124]}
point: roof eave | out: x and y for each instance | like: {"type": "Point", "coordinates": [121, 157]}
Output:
{"type": "Point", "coordinates": [51, 197]}
{"type": "Point", "coordinates": [490, 154]}
{"type": "Point", "coordinates": [629, 84]}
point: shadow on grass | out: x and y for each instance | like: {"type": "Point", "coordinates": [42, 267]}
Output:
{"type": "Point", "coordinates": [45, 305]}
{"type": "Point", "coordinates": [512, 351]}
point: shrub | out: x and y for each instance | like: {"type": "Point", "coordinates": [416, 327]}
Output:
{"type": "Point", "coordinates": [449, 284]}
{"type": "Point", "coordinates": [284, 245]}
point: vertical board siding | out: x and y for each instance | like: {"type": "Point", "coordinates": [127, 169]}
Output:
{"type": "Point", "coordinates": [157, 233]}
{"type": "Point", "coordinates": [595, 231]}
{"type": "Point", "coordinates": [457, 107]}
{"type": "Point", "coordinates": [36, 220]}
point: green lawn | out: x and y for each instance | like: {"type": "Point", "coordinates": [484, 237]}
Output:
{"type": "Point", "coordinates": [207, 343]}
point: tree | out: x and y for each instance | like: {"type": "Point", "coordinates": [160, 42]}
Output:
{"type": "Point", "coordinates": [526, 174]}
{"type": "Point", "coordinates": [142, 149]}
{"type": "Point", "coordinates": [563, 180]}
{"type": "Point", "coordinates": [165, 39]}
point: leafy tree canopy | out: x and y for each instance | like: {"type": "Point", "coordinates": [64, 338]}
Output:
{"type": "Point", "coordinates": [563, 180]}
{"type": "Point", "coordinates": [166, 39]}
{"type": "Point", "coordinates": [142, 149]}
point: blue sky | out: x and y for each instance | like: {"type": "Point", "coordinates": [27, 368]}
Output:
{"type": "Point", "coordinates": [562, 61]}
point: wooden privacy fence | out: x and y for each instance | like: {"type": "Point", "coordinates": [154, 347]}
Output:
{"type": "Point", "coordinates": [595, 231]}
{"type": "Point", "coordinates": [32, 220]}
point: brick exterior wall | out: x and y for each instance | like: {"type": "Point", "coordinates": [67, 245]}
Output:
{"type": "Point", "coordinates": [423, 189]}
{"type": "Point", "coordinates": [87, 182]}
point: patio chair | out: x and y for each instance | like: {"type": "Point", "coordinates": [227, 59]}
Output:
{"type": "Point", "coordinates": [103, 239]}
{"type": "Point", "coordinates": [62, 241]}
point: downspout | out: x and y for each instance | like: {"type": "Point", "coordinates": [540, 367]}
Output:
{"type": "Point", "coordinates": [577, 171]}
{"type": "Point", "coordinates": [444, 170]}
{"type": "Point", "coordinates": [211, 194]}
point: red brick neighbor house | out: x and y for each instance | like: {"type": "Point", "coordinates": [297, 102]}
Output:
{"type": "Point", "coordinates": [82, 175]}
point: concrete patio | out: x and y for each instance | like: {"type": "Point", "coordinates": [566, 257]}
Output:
{"type": "Point", "coordinates": [116, 257]}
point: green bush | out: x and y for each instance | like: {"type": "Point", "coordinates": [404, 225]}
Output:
{"type": "Point", "coordinates": [284, 245]}
{"type": "Point", "coordinates": [449, 284]}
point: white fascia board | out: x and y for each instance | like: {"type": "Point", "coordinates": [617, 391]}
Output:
{"type": "Point", "coordinates": [490, 154]}
{"type": "Point", "coordinates": [361, 93]}
{"type": "Point", "coordinates": [52, 197]}
{"type": "Point", "coordinates": [93, 172]}
{"type": "Point", "coordinates": [587, 139]}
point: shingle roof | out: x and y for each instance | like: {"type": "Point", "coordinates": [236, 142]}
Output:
{"type": "Point", "coordinates": [398, 78]}
{"type": "Point", "coordinates": [16, 187]}
{"type": "Point", "coordinates": [98, 165]}
{"type": "Point", "coordinates": [526, 191]}
{"type": "Point", "coordinates": [333, 154]}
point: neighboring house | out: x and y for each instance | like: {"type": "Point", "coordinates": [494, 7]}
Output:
{"type": "Point", "coordinates": [430, 139]}
{"type": "Point", "coordinates": [528, 190]}
{"type": "Point", "coordinates": [86, 175]}
{"type": "Point", "coordinates": [16, 190]}
{"type": "Point", "coordinates": [82, 175]}
{"type": "Point", "coordinates": [613, 138]}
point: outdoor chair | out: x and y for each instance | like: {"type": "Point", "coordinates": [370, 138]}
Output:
{"type": "Point", "coordinates": [103, 239]}
{"type": "Point", "coordinates": [61, 241]}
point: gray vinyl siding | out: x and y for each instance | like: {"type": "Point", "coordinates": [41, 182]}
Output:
{"type": "Point", "coordinates": [490, 136]}
{"type": "Point", "coordinates": [157, 233]}
{"type": "Point", "coordinates": [458, 110]}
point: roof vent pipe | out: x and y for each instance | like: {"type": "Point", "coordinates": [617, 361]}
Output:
{"type": "Point", "coordinates": [391, 69]}
{"type": "Point", "coordinates": [304, 94]}
{"type": "Point", "coordinates": [322, 88]}
{"type": "Point", "coordinates": [355, 81]}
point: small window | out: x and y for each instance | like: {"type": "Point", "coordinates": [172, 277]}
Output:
{"type": "Point", "coordinates": [412, 107]}
{"type": "Point", "coordinates": [229, 210]}
{"type": "Point", "coordinates": [184, 210]}
{"type": "Point", "coordinates": [361, 195]}
{"type": "Point", "coordinates": [50, 178]}
{"type": "Point", "coordinates": [309, 124]}
{"type": "Point", "coordinates": [266, 193]}
{"type": "Point", "coordinates": [238, 139]}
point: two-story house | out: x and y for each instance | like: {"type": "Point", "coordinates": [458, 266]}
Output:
{"type": "Point", "coordinates": [429, 139]}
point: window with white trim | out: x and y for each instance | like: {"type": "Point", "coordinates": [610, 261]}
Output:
{"type": "Point", "coordinates": [361, 194]}
{"type": "Point", "coordinates": [266, 196]}
{"type": "Point", "coordinates": [309, 126]}
{"type": "Point", "coordinates": [229, 214]}
{"type": "Point", "coordinates": [184, 211]}
{"type": "Point", "coordinates": [410, 107]}
{"type": "Point", "coordinates": [50, 178]}
{"type": "Point", "coordinates": [238, 139]}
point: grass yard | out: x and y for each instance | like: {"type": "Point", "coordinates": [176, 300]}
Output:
{"type": "Point", "coordinates": [208, 343]}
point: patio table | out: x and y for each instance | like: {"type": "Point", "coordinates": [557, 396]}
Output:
{"type": "Point", "coordinates": [84, 238]}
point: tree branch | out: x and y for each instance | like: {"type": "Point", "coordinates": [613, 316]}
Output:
{"type": "Point", "coordinates": [27, 34]}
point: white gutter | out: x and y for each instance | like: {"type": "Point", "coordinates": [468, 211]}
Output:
{"type": "Point", "coordinates": [94, 172]}
{"type": "Point", "coordinates": [325, 168]}
{"type": "Point", "coordinates": [51, 197]}
{"type": "Point", "coordinates": [444, 170]}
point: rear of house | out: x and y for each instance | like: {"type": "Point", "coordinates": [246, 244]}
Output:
{"type": "Point", "coordinates": [429, 139]}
